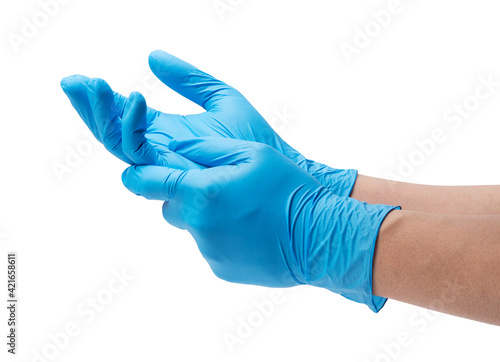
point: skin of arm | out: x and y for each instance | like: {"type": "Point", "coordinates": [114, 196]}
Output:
{"type": "Point", "coordinates": [460, 200]}
{"type": "Point", "coordinates": [447, 263]}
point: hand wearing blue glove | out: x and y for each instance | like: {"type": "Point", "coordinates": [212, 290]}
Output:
{"type": "Point", "coordinates": [228, 114]}
{"type": "Point", "coordinates": [260, 219]}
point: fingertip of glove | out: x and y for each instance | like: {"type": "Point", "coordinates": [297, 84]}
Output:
{"type": "Point", "coordinates": [67, 82]}
{"type": "Point", "coordinates": [172, 145]}
{"type": "Point", "coordinates": [64, 83]}
{"type": "Point", "coordinates": [135, 105]}
{"type": "Point", "coordinates": [100, 86]}
{"type": "Point", "coordinates": [71, 80]}
{"type": "Point", "coordinates": [127, 174]}
{"type": "Point", "coordinates": [136, 97]}
{"type": "Point", "coordinates": [154, 56]}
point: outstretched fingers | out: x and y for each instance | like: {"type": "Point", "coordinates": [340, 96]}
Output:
{"type": "Point", "coordinates": [100, 108]}
{"type": "Point", "coordinates": [190, 82]}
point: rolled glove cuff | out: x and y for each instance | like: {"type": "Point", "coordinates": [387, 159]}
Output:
{"type": "Point", "coordinates": [340, 235]}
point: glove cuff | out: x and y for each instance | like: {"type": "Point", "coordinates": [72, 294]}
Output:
{"type": "Point", "coordinates": [340, 247]}
{"type": "Point", "coordinates": [339, 181]}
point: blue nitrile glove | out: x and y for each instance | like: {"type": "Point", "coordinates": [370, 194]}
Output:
{"type": "Point", "coordinates": [260, 219]}
{"type": "Point", "coordinates": [228, 114]}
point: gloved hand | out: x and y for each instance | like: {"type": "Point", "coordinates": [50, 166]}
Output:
{"type": "Point", "coordinates": [228, 114]}
{"type": "Point", "coordinates": [260, 219]}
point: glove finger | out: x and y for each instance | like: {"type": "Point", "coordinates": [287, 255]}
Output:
{"type": "Point", "coordinates": [190, 82]}
{"type": "Point", "coordinates": [138, 148]}
{"type": "Point", "coordinates": [99, 108]}
{"type": "Point", "coordinates": [134, 142]}
{"type": "Point", "coordinates": [107, 116]}
{"type": "Point", "coordinates": [153, 182]}
{"type": "Point", "coordinates": [76, 89]}
{"type": "Point", "coordinates": [216, 151]}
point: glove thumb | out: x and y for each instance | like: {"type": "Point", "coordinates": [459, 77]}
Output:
{"type": "Point", "coordinates": [153, 182]}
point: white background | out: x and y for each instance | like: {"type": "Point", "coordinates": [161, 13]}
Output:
{"type": "Point", "coordinates": [70, 233]}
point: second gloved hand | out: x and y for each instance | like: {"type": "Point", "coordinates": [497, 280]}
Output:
{"type": "Point", "coordinates": [258, 218]}
{"type": "Point", "coordinates": [228, 114]}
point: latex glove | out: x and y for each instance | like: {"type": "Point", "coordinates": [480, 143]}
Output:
{"type": "Point", "coordinates": [260, 219]}
{"type": "Point", "coordinates": [228, 114]}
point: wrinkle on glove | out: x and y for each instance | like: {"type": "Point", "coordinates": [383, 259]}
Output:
{"type": "Point", "coordinates": [258, 218]}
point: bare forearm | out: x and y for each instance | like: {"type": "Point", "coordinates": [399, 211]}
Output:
{"type": "Point", "coordinates": [448, 263]}
{"type": "Point", "coordinates": [465, 200]}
